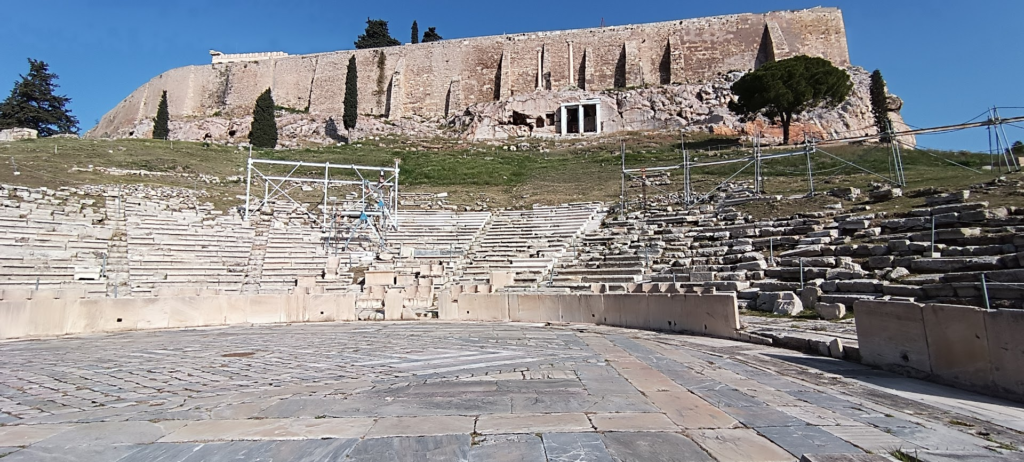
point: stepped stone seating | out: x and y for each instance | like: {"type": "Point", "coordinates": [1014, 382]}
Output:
{"type": "Point", "coordinates": [617, 253]}
{"type": "Point", "coordinates": [839, 258]}
{"type": "Point", "coordinates": [49, 243]}
{"type": "Point", "coordinates": [173, 247]}
{"type": "Point", "coordinates": [432, 238]}
{"type": "Point", "coordinates": [528, 242]}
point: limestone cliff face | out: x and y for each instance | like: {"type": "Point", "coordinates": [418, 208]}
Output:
{"type": "Point", "coordinates": [440, 80]}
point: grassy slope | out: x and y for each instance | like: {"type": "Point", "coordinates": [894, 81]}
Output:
{"type": "Point", "coordinates": [546, 172]}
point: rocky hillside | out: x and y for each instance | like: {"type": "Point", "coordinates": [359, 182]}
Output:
{"type": "Point", "coordinates": [692, 108]}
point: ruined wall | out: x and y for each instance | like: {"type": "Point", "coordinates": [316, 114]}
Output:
{"type": "Point", "coordinates": [442, 78]}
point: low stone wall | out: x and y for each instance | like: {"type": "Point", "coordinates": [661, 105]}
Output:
{"type": "Point", "coordinates": [56, 317]}
{"type": "Point", "coordinates": [963, 346]}
{"type": "Point", "coordinates": [705, 314]}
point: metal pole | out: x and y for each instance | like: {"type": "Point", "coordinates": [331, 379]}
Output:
{"type": "Point", "coordinates": [757, 165]}
{"type": "Point", "coordinates": [984, 291]}
{"type": "Point", "coordinates": [810, 168]}
{"type": "Point", "coordinates": [686, 178]}
{"type": "Point", "coordinates": [622, 196]}
{"type": "Point", "coordinates": [394, 197]}
{"type": "Point", "coordinates": [327, 170]}
{"type": "Point", "coordinates": [248, 185]}
{"type": "Point", "coordinates": [801, 272]}
{"type": "Point", "coordinates": [933, 238]}
{"type": "Point", "coordinates": [771, 251]}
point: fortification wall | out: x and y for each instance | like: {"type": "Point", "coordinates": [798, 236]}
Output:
{"type": "Point", "coordinates": [441, 78]}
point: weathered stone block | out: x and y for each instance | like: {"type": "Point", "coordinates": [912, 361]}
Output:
{"type": "Point", "coordinates": [957, 343]}
{"type": "Point", "coordinates": [892, 336]}
{"type": "Point", "coordinates": [830, 311]}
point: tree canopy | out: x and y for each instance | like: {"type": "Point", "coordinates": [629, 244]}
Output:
{"type": "Point", "coordinates": [880, 106]}
{"type": "Point", "coordinates": [351, 103]}
{"type": "Point", "coordinates": [431, 35]}
{"type": "Point", "coordinates": [33, 104]}
{"type": "Point", "coordinates": [160, 123]}
{"type": "Point", "coordinates": [263, 132]}
{"type": "Point", "coordinates": [376, 35]}
{"type": "Point", "coordinates": [789, 87]}
{"type": "Point", "coordinates": [415, 33]}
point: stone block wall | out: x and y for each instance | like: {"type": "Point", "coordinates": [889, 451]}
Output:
{"type": "Point", "coordinates": [963, 346]}
{"type": "Point", "coordinates": [435, 79]}
{"type": "Point", "coordinates": [704, 314]}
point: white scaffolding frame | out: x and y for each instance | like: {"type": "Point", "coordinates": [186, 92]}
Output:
{"type": "Point", "coordinates": [379, 198]}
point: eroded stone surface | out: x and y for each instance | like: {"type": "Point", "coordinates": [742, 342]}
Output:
{"type": "Point", "coordinates": [437, 391]}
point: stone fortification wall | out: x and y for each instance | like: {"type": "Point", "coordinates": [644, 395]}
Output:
{"type": "Point", "coordinates": [440, 79]}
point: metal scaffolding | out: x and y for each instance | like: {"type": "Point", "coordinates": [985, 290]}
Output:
{"type": "Point", "coordinates": [375, 206]}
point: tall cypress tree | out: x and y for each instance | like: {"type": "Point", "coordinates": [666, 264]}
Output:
{"type": "Point", "coordinates": [415, 33]}
{"type": "Point", "coordinates": [160, 129]}
{"type": "Point", "coordinates": [880, 106]}
{"type": "Point", "coordinates": [263, 133]}
{"type": "Point", "coordinates": [348, 119]}
{"type": "Point", "coordinates": [33, 104]}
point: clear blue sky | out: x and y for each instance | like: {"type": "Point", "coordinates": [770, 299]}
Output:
{"type": "Point", "coordinates": [948, 60]}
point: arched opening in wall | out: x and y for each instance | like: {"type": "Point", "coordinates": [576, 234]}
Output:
{"type": "Point", "coordinates": [766, 51]}
{"type": "Point", "coordinates": [620, 69]}
{"type": "Point", "coordinates": [497, 83]}
{"type": "Point", "coordinates": [541, 122]}
{"type": "Point", "coordinates": [448, 102]}
{"type": "Point", "coordinates": [518, 118]}
{"type": "Point", "coordinates": [665, 66]}
{"type": "Point", "coordinates": [232, 133]}
{"type": "Point", "coordinates": [582, 75]}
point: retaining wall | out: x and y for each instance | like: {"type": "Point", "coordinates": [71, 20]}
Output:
{"type": "Point", "coordinates": [963, 346]}
{"type": "Point", "coordinates": [705, 314]}
{"type": "Point", "coordinates": [55, 317]}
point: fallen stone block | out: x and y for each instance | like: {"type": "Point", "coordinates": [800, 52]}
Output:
{"type": "Point", "coordinates": [885, 194]}
{"type": "Point", "coordinates": [830, 311]}
{"type": "Point", "coordinates": [958, 197]}
{"type": "Point", "coordinates": [788, 304]}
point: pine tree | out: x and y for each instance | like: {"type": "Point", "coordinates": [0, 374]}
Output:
{"type": "Point", "coordinates": [351, 115]}
{"type": "Point", "coordinates": [431, 35]}
{"type": "Point", "coordinates": [376, 35]}
{"type": "Point", "coordinates": [880, 106]}
{"type": "Point", "coordinates": [263, 133]}
{"type": "Point", "coordinates": [415, 33]}
{"type": "Point", "coordinates": [160, 129]}
{"type": "Point", "coordinates": [784, 89]}
{"type": "Point", "coordinates": [33, 104]}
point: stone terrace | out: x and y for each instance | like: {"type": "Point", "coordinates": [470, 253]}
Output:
{"type": "Point", "coordinates": [471, 392]}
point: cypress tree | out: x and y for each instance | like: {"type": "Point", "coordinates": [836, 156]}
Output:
{"type": "Point", "coordinates": [431, 35]}
{"type": "Point", "coordinates": [263, 133]}
{"type": "Point", "coordinates": [415, 33]}
{"type": "Point", "coordinates": [33, 104]}
{"type": "Point", "coordinates": [160, 129]}
{"type": "Point", "coordinates": [348, 119]}
{"type": "Point", "coordinates": [880, 106]}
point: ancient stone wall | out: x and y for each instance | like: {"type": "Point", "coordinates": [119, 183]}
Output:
{"type": "Point", "coordinates": [440, 79]}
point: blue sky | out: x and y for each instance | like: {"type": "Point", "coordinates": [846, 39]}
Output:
{"type": "Point", "coordinates": [949, 60]}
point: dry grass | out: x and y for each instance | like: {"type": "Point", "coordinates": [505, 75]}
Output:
{"type": "Point", "coordinates": [546, 172]}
